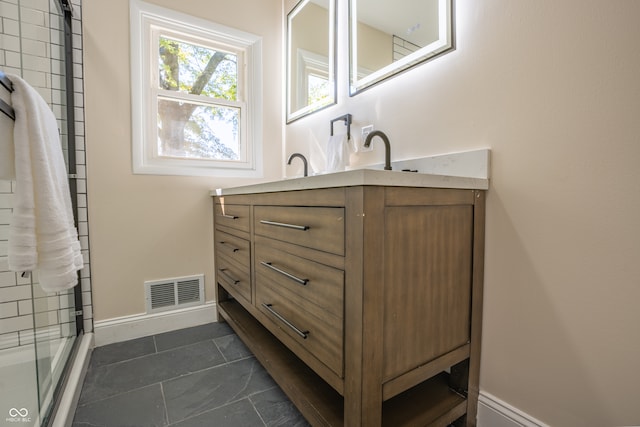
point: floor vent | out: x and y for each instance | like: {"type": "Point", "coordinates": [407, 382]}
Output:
{"type": "Point", "coordinates": [171, 294]}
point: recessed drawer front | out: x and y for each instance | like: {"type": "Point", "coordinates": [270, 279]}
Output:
{"type": "Point", "coordinates": [313, 227]}
{"type": "Point", "coordinates": [309, 325]}
{"type": "Point", "coordinates": [233, 247]}
{"type": "Point", "coordinates": [234, 216]}
{"type": "Point", "coordinates": [233, 277]}
{"type": "Point", "coordinates": [315, 282]}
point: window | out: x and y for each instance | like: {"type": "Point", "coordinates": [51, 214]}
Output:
{"type": "Point", "coordinates": [318, 89]}
{"type": "Point", "coordinates": [196, 95]}
{"type": "Point", "coordinates": [313, 80]}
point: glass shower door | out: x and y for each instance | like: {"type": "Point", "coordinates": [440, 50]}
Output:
{"type": "Point", "coordinates": [54, 314]}
{"type": "Point", "coordinates": [38, 330]}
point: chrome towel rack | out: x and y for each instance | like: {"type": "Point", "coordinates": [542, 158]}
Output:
{"type": "Point", "coordinates": [4, 107]}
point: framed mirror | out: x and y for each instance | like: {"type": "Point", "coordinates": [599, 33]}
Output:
{"type": "Point", "coordinates": [311, 59]}
{"type": "Point", "coordinates": [388, 37]}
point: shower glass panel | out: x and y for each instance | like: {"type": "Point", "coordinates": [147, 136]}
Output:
{"type": "Point", "coordinates": [38, 330]}
{"type": "Point", "coordinates": [53, 314]}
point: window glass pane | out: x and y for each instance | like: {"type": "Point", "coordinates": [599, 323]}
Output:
{"type": "Point", "coordinates": [195, 131]}
{"type": "Point", "coordinates": [318, 90]}
{"type": "Point", "coordinates": [197, 70]}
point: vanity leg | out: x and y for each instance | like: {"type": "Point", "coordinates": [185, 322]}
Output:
{"type": "Point", "coordinates": [473, 389]}
{"type": "Point", "coordinates": [364, 292]}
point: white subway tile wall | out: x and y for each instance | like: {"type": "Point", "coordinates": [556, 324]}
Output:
{"type": "Point", "coordinates": [31, 45]}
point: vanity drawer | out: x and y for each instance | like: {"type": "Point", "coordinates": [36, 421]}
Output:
{"type": "Point", "coordinates": [233, 216]}
{"type": "Point", "coordinates": [317, 283]}
{"type": "Point", "coordinates": [233, 277]}
{"type": "Point", "coordinates": [233, 247]}
{"type": "Point", "coordinates": [317, 332]}
{"type": "Point", "coordinates": [314, 227]}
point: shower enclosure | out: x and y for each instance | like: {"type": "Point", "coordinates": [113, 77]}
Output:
{"type": "Point", "coordinates": [40, 331]}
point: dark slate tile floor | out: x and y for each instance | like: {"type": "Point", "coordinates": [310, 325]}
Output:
{"type": "Point", "coordinates": [201, 376]}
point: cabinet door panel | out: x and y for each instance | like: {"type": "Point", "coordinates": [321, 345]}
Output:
{"type": "Point", "coordinates": [427, 284]}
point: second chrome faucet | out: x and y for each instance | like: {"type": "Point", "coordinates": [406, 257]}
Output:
{"type": "Point", "coordinates": [304, 161]}
{"type": "Point", "coordinates": [387, 146]}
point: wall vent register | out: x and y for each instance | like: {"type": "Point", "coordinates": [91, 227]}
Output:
{"type": "Point", "coordinates": [170, 294]}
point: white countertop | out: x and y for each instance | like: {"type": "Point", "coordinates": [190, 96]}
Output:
{"type": "Point", "coordinates": [359, 177]}
{"type": "Point", "coordinates": [464, 170]}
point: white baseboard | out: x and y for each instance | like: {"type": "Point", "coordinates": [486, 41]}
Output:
{"type": "Point", "coordinates": [143, 325]}
{"type": "Point", "coordinates": [493, 412]}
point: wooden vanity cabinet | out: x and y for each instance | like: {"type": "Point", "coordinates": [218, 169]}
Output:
{"type": "Point", "coordinates": [364, 303]}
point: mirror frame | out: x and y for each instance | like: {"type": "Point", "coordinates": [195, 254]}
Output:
{"type": "Point", "coordinates": [444, 44]}
{"type": "Point", "coordinates": [293, 115]}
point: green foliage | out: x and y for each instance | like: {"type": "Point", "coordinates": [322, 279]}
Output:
{"type": "Point", "coordinates": [183, 64]}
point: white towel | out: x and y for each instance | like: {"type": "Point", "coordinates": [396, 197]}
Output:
{"type": "Point", "coordinates": [42, 235]}
{"type": "Point", "coordinates": [337, 153]}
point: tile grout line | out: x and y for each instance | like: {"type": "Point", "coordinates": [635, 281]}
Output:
{"type": "Point", "coordinates": [223, 364]}
{"type": "Point", "coordinates": [254, 405]}
{"type": "Point", "coordinates": [221, 352]}
{"type": "Point", "coordinates": [164, 402]}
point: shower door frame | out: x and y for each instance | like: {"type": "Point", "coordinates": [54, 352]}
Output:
{"type": "Point", "coordinates": [66, 9]}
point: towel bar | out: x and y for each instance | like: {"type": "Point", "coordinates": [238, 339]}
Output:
{"type": "Point", "coordinates": [4, 107]}
{"type": "Point", "coordinates": [6, 82]}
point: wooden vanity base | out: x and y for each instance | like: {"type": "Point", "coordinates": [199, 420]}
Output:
{"type": "Point", "coordinates": [363, 303]}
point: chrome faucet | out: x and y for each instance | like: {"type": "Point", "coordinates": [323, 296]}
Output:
{"type": "Point", "coordinates": [387, 146]}
{"type": "Point", "coordinates": [304, 160]}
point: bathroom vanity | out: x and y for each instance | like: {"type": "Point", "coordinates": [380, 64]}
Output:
{"type": "Point", "coordinates": [360, 292]}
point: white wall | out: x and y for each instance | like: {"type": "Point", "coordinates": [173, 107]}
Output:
{"type": "Point", "coordinates": [553, 88]}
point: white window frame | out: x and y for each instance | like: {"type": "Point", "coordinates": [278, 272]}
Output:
{"type": "Point", "coordinates": [311, 63]}
{"type": "Point", "coordinates": [147, 22]}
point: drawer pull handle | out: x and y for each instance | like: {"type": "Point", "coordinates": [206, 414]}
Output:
{"type": "Point", "coordinates": [223, 271]}
{"type": "Point", "coordinates": [298, 280]}
{"type": "Point", "coordinates": [285, 225]}
{"type": "Point", "coordinates": [229, 216]}
{"type": "Point", "coordinates": [234, 249]}
{"type": "Point", "coordinates": [303, 334]}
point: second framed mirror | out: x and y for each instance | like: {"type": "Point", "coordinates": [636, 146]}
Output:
{"type": "Point", "coordinates": [388, 37]}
